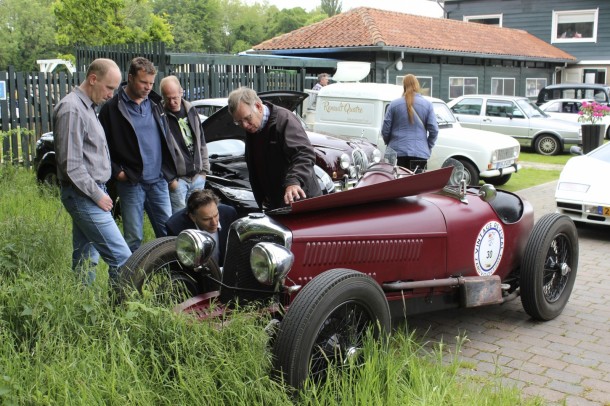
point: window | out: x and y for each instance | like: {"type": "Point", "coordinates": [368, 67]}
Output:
{"type": "Point", "coordinates": [425, 84]}
{"type": "Point", "coordinates": [498, 108]}
{"type": "Point", "coordinates": [503, 86]}
{"type": "Point", "coordinates": [470, 106]}
{"type": "Point", "coordinates": [533, 86]}
{"type": "Point", "coordinates": [491, 19]}
{"type": "Point", "coordinates": [462, 86]}
{"type": "Point", "coordinates": [574, 26]}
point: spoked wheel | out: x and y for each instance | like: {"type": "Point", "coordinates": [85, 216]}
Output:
{"type": "Point", "coordinates": [547, 145]}
{"type": "Point", "coordinates": [327, 323]}
{"type": "Point", "coordinates": [549, 266]}
{"type": "Point", "coordinates": [154, 269]}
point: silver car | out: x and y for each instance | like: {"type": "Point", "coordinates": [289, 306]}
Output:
{"type": "Point", "coordinates": [520, 118]}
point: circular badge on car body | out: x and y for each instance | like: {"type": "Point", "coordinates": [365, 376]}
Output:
{"type": "Point", "coordinates": [489, 248]}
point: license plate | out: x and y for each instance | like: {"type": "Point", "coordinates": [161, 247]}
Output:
{"type": "Point", "coordinates": [603, 210]}
{"type": "Point", "coordinates": [504, 164]}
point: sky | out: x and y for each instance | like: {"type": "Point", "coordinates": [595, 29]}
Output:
{"type": "Point", "coordinates": [421, 7]}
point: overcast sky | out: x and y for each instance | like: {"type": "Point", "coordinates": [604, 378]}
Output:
{"type": "Point", "coordinates": [421, 7]}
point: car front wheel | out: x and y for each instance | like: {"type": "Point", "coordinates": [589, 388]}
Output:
{"type": "Point", "coordinates": [547, 145]}
{"type": "Point", "coordinates": [549, 266]}
{"type": "Point", "coordinates": [327, 324]}
{"type": "Point", "coordinates": [498, 180]}
{"type": "Point", "coordinates": [154, 267]}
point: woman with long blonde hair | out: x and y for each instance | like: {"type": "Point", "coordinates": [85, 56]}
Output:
{"type": "Point", "coordinates": [410, 126]}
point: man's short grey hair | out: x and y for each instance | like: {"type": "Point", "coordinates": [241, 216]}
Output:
{"type": "Point", "coordinates": [242, 95]}
{"type": "Point", "coordinates": [322, 76]}
{"type": "Point", "coordinates": [171, 79]}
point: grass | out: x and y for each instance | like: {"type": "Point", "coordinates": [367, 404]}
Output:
{"type": "Point", "coordinates": [528, 177]}
{"type": "Point", "coordinates": [61, 343]}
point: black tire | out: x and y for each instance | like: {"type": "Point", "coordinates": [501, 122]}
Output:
{"type": "Point", "coordinates": [471, 173]}
{"type": "Point", "coordinates": [155, 267]}
{"type": "Point", "coordinates": [547, 145]}
{"type": "Point", "coordinates": [327, 323]}
{"type": "Point", "coordinates": [48, 176]}
{"type": "Point", "coordinates": [498, 180]}
{"type": "Point", "coordinates": [608, 133]}
{"type": "Point", "coordinates": [549, 266]}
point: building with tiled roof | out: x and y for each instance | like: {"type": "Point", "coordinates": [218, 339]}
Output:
{"type": "Point", "coordinates": [440, 52]}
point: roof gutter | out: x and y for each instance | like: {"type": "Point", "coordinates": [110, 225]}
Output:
{"type": "Point", "coordinates": [397, 64]}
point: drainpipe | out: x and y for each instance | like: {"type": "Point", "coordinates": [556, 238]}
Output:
{"type": "Point", "coordinates": [559, 69]}
{"type": "Point", "coordinates": [397, 64]}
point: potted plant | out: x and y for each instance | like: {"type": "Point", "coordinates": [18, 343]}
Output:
{"type": "Point", "coordinates": [592, 133]}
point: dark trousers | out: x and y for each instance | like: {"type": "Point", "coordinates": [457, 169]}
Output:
{"type": "Point", "coordinates": [415, 164]}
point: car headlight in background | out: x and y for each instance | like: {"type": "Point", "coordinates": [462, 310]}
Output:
{"type": "Point", "coordinates": [270, 262]}
{"type": "Point", "coordinates": [376, 158]}
{"type": "Point", "coordinates": [344, 161]}
{"type": "Point", "coordinates": [193, 248]}
{"type": "Point", "coordinates": [573, 187]}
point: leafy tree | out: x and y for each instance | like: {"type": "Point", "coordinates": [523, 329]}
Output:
{"type": "Point", "coordinates": [331, 7]}
{"type": "Point", "coordinates": [285, 20]}
{"type": "Point", "coordinates": [27, 33]}
{"type": "Point", "coordinates": [99, 22]}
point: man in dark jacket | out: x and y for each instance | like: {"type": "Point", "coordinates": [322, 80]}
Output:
{"type": "Point", "coordinates": [189, 148]}
{"type": "Point", "coordinates": [279, 155]}
{"type": "Point", "coordinates": [138, 136]}
{"type": "Point", "coordinates": [204, 213]}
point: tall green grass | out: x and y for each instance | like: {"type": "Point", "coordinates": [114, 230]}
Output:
{"type": "Point", "coordinates": [62, 343]}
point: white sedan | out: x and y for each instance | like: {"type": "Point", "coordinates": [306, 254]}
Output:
{"type": "Point", "coordinates": [567, 109]}
{"type": "Point", "coordinates": [582, 191]}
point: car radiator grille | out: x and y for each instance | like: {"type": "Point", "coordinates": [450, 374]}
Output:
{"type": "Point", "coordinates": [237, 275]}
{"type": "Point", "coordinates": [506, 153]}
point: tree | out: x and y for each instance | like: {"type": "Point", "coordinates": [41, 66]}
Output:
{"type": "Point", "coordinates": [99, 22]}
{"type": "Point", "coordinates": [331, 7]}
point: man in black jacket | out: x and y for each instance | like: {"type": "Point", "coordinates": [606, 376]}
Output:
{"type": "Point", "coordinates": [203, 212]}
{"type": "Point", "coordinates": [279, 155]}
{"type": "Point", "coordinates": [189, 148]}
{"type": "Point", "coordinates": [138, 136]}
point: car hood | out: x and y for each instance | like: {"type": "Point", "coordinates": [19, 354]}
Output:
{"type": "Point", "coordinates": [585, 170]}
{"type": "Point", "coordinates": [490, 139]}
{"type": "Point", "coordinates": [219, 126]}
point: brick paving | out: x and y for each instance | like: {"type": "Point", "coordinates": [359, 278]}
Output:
{"type": "Point", "coordinates": [565, 361]}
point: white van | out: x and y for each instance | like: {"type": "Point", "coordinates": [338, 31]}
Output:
{"type": "Point", "coordinates": [358, 110]}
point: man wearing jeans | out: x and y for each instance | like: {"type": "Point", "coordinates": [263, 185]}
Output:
{"type": "Point", "coordinates": [142, 162]}
{"type": "Point", "coordinates": [83, 168]}
{"type": "Point", "coordinates": [190, 150]}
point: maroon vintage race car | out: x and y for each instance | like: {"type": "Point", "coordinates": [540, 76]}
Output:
{"type": "Point", "coordinates": [398, 244]}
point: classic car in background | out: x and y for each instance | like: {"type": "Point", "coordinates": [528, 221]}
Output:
{"type": "Point", "coordinates": [357, 110]}
{"type": "Point", "coordinates": [206, 107]}
{"type": "Point", "coordinates": [582, 191]}
{"type": "Point", "coordinates": [329, 268]}
{"type": "Point", "coordinates": [567, 109]}
{"type": "Point", "coordinates": [518, 117]}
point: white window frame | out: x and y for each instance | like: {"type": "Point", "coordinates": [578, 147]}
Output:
{"type": "Point", "coordinates": [484, 17]}
{"type": "Point", "coordinates": [558, 14]}
{"type": "Point", "coordinates": [539, 83]}
{"type": "Point", "coordinates": [503, 86]}
{"type": "Point", "coordinates": [400, 78]}
{"type": "Point", "coordinates": [463, 78]}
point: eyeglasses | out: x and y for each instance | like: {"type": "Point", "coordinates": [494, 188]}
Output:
{"type": "Point", "coordinates": [245, 120]}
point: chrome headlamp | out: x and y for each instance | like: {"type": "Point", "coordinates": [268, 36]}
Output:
{"type": "Point", "coordinates": [344, 161]}
{"type": "Point", "coordinates": [376, 158]}
{"type": "Point", "coordinates": [194, 248]}
{"type": "Point", "coordinates": [270, 262]}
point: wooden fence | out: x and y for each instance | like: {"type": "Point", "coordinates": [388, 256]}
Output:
{"type": "Point", "coordinates": [27, 98]}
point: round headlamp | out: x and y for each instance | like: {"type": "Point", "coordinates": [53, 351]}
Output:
{"type": "Point", "coordinates": [344, 161]}
{"type": "Point", "coordinates": [194, 248]}
{"type": "Point", "coordinates": [376, 156]}
{"type": "Point", "coordinates": [270, 262]}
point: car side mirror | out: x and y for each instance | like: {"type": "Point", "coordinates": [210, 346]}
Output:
{"type": "Point", "coordinates": [488, 192]}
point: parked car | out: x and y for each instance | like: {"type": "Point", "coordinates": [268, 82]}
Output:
{"type": "Point", "coordinates": [567, 109]}
{"type": "Point", "coordinates": [594, 91]}
{"type": "Point", "coordinates": [357, 110]}
{"type": "Point", "coordinates": [206, 107]}
{"type": "Point", "coordinates": [329, 268]}
{"type": "Point", "coordinates": [518, 117]}
{"type": "Point", "coordinates": [582, 190]}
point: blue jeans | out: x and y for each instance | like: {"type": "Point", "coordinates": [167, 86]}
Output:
{"type": "Point", "coordinates": [135, 199]}
{"type": "Point", "coordinates": [181, 194]}
{"type": "Point", "coordinates": [94, 233]}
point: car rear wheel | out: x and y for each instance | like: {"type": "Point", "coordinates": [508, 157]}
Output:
{"type": "Point", "coordinates": [327, 323]}
{"type": "Point", "coordinates": [154, 267]}
{"type": "Point", "coordinates": [549, 266]}
{"type": "Point", "coordinates": [547, 145]}
{"type": "Point", "coordinates": [471, 174]}
{"type": "Point", "coordinates": [498, 180]}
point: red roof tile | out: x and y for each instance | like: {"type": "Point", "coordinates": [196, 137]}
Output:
{"type": "Point", "coordinates": [366, 26]}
